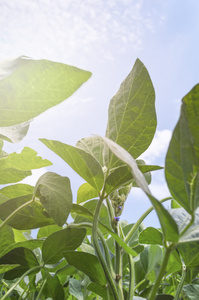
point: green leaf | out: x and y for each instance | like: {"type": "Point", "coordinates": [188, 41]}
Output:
{"type": "Point", "coordinates": [47, 230]}
{"type": "Point", "coordinates": [55, 194]}
{"type": "Point", "coordinates": [24, 161]}
{"type": "Point", "coordinates": [182, 160]}
{"type": "Point", "coordinates": [6, 268]}
{"type": "Point", "coordinates": [191, 291]}
{"type": "Point", "coordinates": [22, 256]}
{"type": "Point", "coordinates": [150, 257]}
{"type": "Point", "coordinates": [95, 147]}
{"type": "Point", "coordinates": [131, 117]}
{"type": "Point", "coordinates": [53, 288]}
{"type": "Point", "coordinates": [123, 176]}
{"type": "Point", "coordinates": [100, 290]}
{"type": "Point", "coordinates": [75, 288]}
{"type": "Point", "coordinates": [87, 263]}
{"type": "Point", "coordinates": [86, 192]}
{"type": "Point", "coordinates": [57, 242]}
{"type": "Point", "coordinates": [30, 217]}
{"type": "Point", "coordinates": [15, 133]}
{"type": "Point", "coordinates": [17, 190]}
{"type": "Point", "coordinates": [30, 244]}
{"type": "Point", "coordinates": [19, 235]}
{"type": "Point", "coordinates": [6, 237]}
{"type": "Point", "coordinates": [169, 227]}
{"type": "Point", "coordinates": [29, 87]}
{"type": "Point", "coordinates": [80, 161]}
{"type": "Point", "coordinates": [12, 175]}
{"type": "Point", "coordinates": [151, 236]}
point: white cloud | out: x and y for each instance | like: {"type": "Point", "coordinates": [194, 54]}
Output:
{"type": "Point", "coordinates": [158, 147]}
{"type": "Point", "coordinates": [71, 29]}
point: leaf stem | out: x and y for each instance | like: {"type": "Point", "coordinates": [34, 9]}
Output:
{"type": "Point", "coordinates": [162, 271]}
{"type": "Point", "coordinates": [41, 289]}
{"type": "Point", "coordinates": [98, 250]}
{"type": "Point", "coordinates": [140, 220]}
{"type": "Point", "coordinates": [5, 222]}
{"type": "Point", "coordinates": [180, 285]}
{"type": "Point", "coordinates": [118, 268]}
{"type": "Point", "coordinates": [131, 279]}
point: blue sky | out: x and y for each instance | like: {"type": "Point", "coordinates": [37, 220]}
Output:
{"type": "Point", "coordinates": [106, 37]}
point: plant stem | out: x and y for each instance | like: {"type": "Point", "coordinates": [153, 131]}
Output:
{"type": "Point", "coordinates": [180, 285]}
{"type": "Point", "coordinates": [41, 289]}
{"type": "Point", "coordinates": [140, 220]}
{"type": "Point", "coordinates": [139, 284]}
{"type": "Point", "coordinates": [131, 279]}
{"type": "Point", "coordinates": [161, 272]}
{"type": "Point", "coordinates": [118, 268]}
{"type": "Point", "coordinates": [5, 222]}
{"type": "Point", "coordinates": [19, 280]}
{"type": "Point", "coordinates": [98, 250]}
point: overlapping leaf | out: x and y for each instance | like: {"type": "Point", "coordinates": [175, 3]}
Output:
{"type": "Point", "coordinates": [55, 194]}
{"type": "Point", "coordinates": [131, 116]}
{"type": "Point", "coordinates": [30, 217]}
{"type": "Point", "coordinates": [63, 240]}
{"type": "Point", "coordinates": [80, 161]}
{"type": "Point", "coordinates": [182, 161]}
{"type": "Point", "coordinates": [29, 87]}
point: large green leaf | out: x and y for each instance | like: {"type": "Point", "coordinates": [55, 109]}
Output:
{"type": "Point", "coordinates": [123, 176]}
{"type": "Point", "coordinates": [86, 192]}
{"type": "Point", "coordinates": [169, 227]}
{"type": "Point", "coordinates": [150, 258]}
{"type": "Point", "coordinates": [191, 291]}
{"type": "Point", "coordinates": [87, 263]}
{"type": "Point", "coordinates": [30, 217]}
{"type": "Point", "coordinates": [17, 190]}
{"type": "Point", "coordinates": [28, 244]}
{"type": "Point", "coordinates": [29, 87]}
{"type": "Point", "coordinates": [17, 166]}
{"type": "Point", "coordinates": [96, 147]}
{"type": "Point", "coordinates": [55, 194]}
{"type": "Point", "coordinates": [80, 161]}
{"type": "Point", "coordinates": [15, 133]}
{"type": "Point", "coordinates": [100, 290]}
{"type": "Point", "coordinates": [6, 237]}
{"type": "Point", "coordinates": [53, 288]}
{"type": "Point", "coordinates": [24, 161]}
{"type": "Point", "coordinates": [75, 288]}
{"type": "Point", "coordinates": [182, 160]}
{"type": "Point", "coordinates": [151, 236]}
{"type": "Point", "coordinates": [45, 231]}
{"type": "Point", "coordinates": [63, 240]}
{"type": "Point", "coordinates": [131, 116]}
{"type": "Point", "coordinates": [22, 256]}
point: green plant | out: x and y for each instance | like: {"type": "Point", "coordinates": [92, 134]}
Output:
{"type": "Point", "coordinates": [96, 256]}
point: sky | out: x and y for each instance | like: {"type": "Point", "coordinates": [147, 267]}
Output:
{"type": "Point", "coordinates": [106, 37]}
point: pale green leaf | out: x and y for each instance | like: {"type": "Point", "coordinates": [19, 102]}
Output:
{"type": "Point", "coordinates": [86, 192]}
{"type": "Point", "coordinates": [55, 194]}
{"type": "Point", "coordinates": [131, 116]}
{"type": "Point", "coordinates": [29, 87]}
{"type": "Point", "coordinates": [80, 161]}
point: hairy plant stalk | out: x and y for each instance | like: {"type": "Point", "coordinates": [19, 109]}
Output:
{"type": "Point", "coordinates": [5, 222]}
{"type": "Point", "coordinates": [131, 278]}
{"type": "Point", "coordinates": [118, 269]}
{"type": "Point", "coordinates": [41, 289]}
{"type": "Point", "coordinates": [161, 272]}
{"type": "Point", "coordinates": [140, 220]}
{"type": "Point", "coordinates": [98, 250]}
{"type": "Point", "coordinates": [180, 285]}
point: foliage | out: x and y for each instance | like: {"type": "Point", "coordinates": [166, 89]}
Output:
{"type": "Point", "coordinates": [96, 256]}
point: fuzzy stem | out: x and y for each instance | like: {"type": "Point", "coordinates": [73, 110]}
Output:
{"type": "Point", "coordinates": [41, 289]}
{"type": "Point", "coordinates": [98, 250]}
{"type": "Point", "coordinates": [118, 268]}
{"type": "Point", "coordinates": [131, 279]}
{"type": "Point", "coordinates": [180, 285]}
